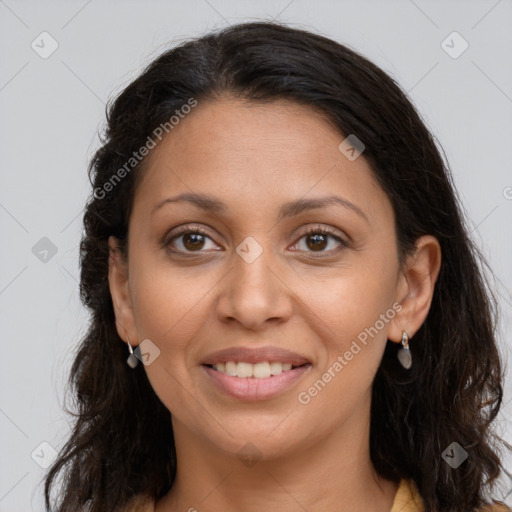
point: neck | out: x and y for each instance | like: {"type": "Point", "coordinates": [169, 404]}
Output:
{"type": "Point", "coordinates": [333, 473]}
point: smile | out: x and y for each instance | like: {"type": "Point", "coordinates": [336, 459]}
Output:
{"type": "Point", "coordinates": [254, 382]}
{"type": "Point", "coordinates": [250, 373]}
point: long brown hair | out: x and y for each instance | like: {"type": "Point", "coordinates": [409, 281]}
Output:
{"type": "Point", "coordinates": [122, 441]}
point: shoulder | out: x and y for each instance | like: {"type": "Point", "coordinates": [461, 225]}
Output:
{"type": "Point", "coordinates": [408, 499]}
{"type": "Point", "coordinates": [495, 508]}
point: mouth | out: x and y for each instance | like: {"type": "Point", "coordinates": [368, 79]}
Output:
{"type": "Point", "coordinates": [254, 374]}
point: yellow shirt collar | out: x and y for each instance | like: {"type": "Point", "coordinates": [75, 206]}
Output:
{"type": "Point", "coordinates": [407, 498]}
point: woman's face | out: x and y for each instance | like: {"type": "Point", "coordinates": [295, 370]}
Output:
{"type": "Point", "coordinates": [253, 286]}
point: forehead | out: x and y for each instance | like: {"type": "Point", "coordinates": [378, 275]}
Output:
{"type": "Point", "coordinates": [255, 154]}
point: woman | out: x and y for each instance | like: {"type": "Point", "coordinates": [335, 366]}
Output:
{"type": "Point", "coordinates": [274, 240]}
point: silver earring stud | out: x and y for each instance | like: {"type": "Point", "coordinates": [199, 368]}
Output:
{"type": "Point", "coordinates": [132, 359]}
{"type": "Point", "coordinates": [404, 354]}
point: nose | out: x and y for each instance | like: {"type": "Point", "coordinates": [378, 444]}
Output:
{"type": "Point", "coordinates": [254, 293]}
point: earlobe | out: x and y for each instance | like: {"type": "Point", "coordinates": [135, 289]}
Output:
{"type": "Point", "coordinates": [120, 293]}
{"type": "Point", "coordinates": [415, 288]}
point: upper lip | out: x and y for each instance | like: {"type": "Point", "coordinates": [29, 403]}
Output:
{"type": "Point", "coordinates": [255, 355]}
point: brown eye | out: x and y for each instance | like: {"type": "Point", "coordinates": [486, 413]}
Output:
{"type": "Point", "coordinates": [318, 240]}
{"type": "Point", "coordinates": [193, 241]}
{"type": "Point", "coordinates": [189, 240]}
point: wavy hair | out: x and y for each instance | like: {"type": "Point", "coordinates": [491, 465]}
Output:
{"type": "Point", "coordinates": [122, 445]}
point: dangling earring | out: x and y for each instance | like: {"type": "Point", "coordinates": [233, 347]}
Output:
{"type": "Point", "coordinates": [404, 354]}
{"type": "Point", "coordinates": [132, 359]}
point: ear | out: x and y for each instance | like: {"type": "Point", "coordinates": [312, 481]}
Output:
{"type": "Point", "coordinates": [119, 290]}
{"type": "Point", "coordinates": [415, 287]}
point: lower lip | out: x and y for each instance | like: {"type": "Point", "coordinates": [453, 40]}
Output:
{"type": "Point", "coordinates": [254, 389]}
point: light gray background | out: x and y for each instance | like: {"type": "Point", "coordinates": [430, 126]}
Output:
{"type": "Point", "coordinates": [51, 110]}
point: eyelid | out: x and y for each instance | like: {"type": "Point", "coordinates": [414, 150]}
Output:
{"type": "Point", "coordinates": [321, 228]}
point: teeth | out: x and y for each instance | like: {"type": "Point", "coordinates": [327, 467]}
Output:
{"type": "Point", "coordinates": [244, 370]}
{"type": "Point", "coordinates": [261, 370]}
{"type": "Point", "coordinates": [230, 368]}
{"type": "Point", "coordinates": [276, 368]}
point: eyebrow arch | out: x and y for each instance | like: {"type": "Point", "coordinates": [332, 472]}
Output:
{"type": "Point", "coordinates": [289, 209]}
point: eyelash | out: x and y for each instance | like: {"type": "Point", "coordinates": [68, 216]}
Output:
{"type": "Point", "coordinates": [314, 230]}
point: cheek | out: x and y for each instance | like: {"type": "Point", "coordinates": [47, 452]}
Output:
{"type": "Point", "coordinates": [354, 301]}
{"type": "Point", "coordinates": [353, 316]}
{"type": "Point", "coordinates": [169, 301]}
{"type": "Point", "coordinates": [354, 312]}
{"type": "Point", "coordinates": [171, 310]}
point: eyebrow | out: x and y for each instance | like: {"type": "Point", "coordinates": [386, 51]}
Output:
{"type": "Point", "coordinates": [288, 209]}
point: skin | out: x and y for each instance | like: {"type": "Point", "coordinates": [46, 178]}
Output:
{"type": "Point", "coordinates": [254, 157]}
